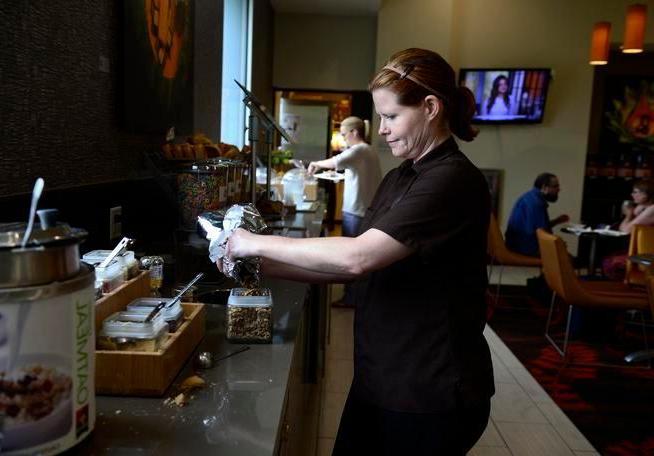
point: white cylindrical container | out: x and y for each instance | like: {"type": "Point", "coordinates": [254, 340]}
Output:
{"type": "Point", "coordinates": [47, 356]}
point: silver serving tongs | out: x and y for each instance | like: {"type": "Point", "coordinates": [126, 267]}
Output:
{"type": "Point", "coordinates": [184, 290]}
{"type": "Point", "coordinates": [122, 245]}
{"type": "Point", "coordinates": [162, 304]}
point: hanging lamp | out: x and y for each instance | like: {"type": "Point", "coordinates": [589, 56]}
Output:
{"type": "Point", "coordinates": [599, 44]}
{"type": "Point", "coordinates": [634, 29]}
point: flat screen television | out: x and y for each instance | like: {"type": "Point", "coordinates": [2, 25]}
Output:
{"type": "Point", "coordinates": [507, 95]}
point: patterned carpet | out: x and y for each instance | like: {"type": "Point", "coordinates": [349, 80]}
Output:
{"type": "Point", "coordinates": [612, 406]}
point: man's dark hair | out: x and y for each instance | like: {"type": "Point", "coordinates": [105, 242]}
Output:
{"type": "Point", "coordinates": [543, 180]}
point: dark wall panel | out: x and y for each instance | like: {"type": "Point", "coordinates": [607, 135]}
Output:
{"type": "Point", "coordinates": [60, 67]}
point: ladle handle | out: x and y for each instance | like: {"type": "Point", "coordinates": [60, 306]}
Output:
{"type": "Point", "coordinates": [36, 195]}
{"type": "Point", "coordinates": [185, 289]}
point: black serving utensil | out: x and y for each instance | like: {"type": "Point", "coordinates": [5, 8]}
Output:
{"type": "Point", "coordinates": [155, 311]}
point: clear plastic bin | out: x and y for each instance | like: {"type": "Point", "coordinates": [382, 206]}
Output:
{"type": "Point", "coordinates": [174, 315]}
{"type": "Point", "coordinates": [127, 331]}
{"type": "Point", "coordinates": [127, 260]}
{"type": "Point", "coordinates": [249, 316]}
{"type": "Point", "coordinates": [111, 276]}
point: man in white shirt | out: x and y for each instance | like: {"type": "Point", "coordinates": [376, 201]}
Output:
{"type": "Point", "coordinates": [362, 177]}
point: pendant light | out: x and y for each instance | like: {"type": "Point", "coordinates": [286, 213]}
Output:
{"type": "Point", "coordinates": [599, 45]}
{"type": "Point", "coordinates": [634, 29]}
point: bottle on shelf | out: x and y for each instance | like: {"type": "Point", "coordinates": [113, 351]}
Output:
{"type": "Point", "coordinates": [643, 168]}
{"type": "Point", "coordinates": [155, 265]}
{"type": "Point", "coordinates": [592, 167]}
{"type": "Point", "coordinates": [609, 168]}
{"type": "Point", "coordinates": [625, 167]}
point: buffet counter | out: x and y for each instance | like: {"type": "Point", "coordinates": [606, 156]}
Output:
{"type": "Point", "coordinates": [248, 404]}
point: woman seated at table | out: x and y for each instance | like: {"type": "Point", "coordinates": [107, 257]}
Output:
{"type": "Point", "coordinates": [639, 212]}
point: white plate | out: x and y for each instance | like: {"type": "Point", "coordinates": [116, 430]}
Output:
{"type": "Point", "coordinates": [332, 176]}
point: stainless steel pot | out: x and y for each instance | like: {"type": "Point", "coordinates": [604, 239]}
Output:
{"type": "Point", "coordinates": [51, 255]}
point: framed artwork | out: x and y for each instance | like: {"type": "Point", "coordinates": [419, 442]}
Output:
{"type": "Point", "coordinates": [158, 73]}
{"type": "Point", "coordinates": [493, 178]}
{"type": "Point", "coordinates": [628, 114]}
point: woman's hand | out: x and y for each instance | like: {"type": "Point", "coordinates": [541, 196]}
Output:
{"type": "Point", "coordinates": [240, 244]}
{"type": "Point", "coordinates": [313, 167]}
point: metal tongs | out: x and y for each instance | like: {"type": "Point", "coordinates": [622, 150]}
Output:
{"type": "Point", "coordinates": [122, 245]}
{"type": "Point", "coordinates": [162, 304]}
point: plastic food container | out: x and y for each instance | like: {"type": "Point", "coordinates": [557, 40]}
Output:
{"type": "Point", "coordinates": [311, 189]}
{"type": "Point", "coordinates": [202, 187]}
{"type": "Point", "coordinates": [126, 331]}
{"type": "Point", "coordinates": [174, 315]}
{"type": "Point", "coordinates": [293, 182]}
{"type": "Point", "coordinates": [127, 260]}
{"type": "Point", "coordinates": [111, 276]}
{"type": "Point", "coordinates": [249, 316]}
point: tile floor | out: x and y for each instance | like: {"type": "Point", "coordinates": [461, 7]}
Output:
{"type": "Point", "coordinates": [524, 420]}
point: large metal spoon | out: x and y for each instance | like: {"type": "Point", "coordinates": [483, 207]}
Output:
{"type": "Point", "coordinates": [184, 290]}
{"type": "Point", "coordinates": [36, 194]}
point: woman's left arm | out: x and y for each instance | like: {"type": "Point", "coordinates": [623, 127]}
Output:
{"type": "Point", "coordinates": [340, 256]}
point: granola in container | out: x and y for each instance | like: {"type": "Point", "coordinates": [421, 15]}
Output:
{"type": "Point", "coordinates": [249, 316]}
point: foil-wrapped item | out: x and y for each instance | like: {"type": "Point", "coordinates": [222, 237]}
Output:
{"type": "Point", "coordinates": [218, 227]}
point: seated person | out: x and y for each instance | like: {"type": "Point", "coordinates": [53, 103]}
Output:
{"type": "Point", "coordinates": [530, 213]}
{"type": "Point", "coordinates": [498, 102]}
{"type": "Point", "coordinates": [641, 212]}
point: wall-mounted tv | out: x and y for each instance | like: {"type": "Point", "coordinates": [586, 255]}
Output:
{"type": "Point", "coordinates": [507, 95]}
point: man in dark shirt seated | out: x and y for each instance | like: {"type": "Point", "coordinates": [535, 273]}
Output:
{"type": "Point", "coordinates": [530, 213]}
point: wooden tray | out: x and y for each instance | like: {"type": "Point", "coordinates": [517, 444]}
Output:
{"type": "Point", "coordinates": [127, 373]}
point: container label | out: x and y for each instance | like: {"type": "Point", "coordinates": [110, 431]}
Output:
{"type": "Point", "coordinates": [47, 361]}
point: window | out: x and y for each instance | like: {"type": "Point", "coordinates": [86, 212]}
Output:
{"type": "Point", "coordinates": [237, 52]}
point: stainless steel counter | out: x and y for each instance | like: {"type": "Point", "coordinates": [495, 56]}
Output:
{"type": "Point", "coordinates": [240, 410]}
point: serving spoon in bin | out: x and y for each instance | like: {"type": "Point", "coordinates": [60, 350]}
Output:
{"type": "Point", "coordinates": [188, 286]}
{"type": "Point", "coordinates": [162, 304]}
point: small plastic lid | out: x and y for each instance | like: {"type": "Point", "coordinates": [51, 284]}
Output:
{"type": "Point", "coordinates": [98, 256]}
{"type": "Point", "coordinates": [125, 324]}
{"type": "Point", "coordinates": [239, 297]}
{"type": "Point", "coordinates": [145, 306]}
{"type": "Point", "coordinates": [109, 272]}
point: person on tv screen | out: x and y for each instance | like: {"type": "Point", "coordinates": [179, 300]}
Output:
{"type": "Point", "coordinates": [498, 103]}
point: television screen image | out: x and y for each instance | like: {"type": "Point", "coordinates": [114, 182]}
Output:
{"type": "Point", "coordinates": [507, 95]}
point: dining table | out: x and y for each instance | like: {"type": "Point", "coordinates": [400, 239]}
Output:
{"type": "Point", "coordinates": [594, 236]}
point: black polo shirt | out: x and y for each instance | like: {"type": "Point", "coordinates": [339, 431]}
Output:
{"type": "Point", "coordinates": [418, 325]}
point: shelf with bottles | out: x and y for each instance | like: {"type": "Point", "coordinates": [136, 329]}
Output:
{"type": "Point", "coordinates": [625, 165]}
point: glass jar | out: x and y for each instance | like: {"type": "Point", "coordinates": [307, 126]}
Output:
{"type": "Point", "coordinates": [155, 265]}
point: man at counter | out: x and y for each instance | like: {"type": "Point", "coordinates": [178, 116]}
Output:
{"type": "Point", "coordinates": [362, 177]}
{"type": "Point", "coordinates": [530, 213]}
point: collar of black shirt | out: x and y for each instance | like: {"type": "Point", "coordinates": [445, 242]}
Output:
{"type": "Point", "coordinates": [438, 153]}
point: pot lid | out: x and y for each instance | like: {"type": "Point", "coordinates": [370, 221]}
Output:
{"type": "Point", "coordinates": [11, 235]}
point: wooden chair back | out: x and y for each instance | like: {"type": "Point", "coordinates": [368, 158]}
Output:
{"type": "Point", "coordinates": [500, 253]}
{"type": "Point", "coordinates": [641, 241]}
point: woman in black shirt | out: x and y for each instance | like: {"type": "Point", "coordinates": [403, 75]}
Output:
{"type": "Point", "coordinates": [422, 369]}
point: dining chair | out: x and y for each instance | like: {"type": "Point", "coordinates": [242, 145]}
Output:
{"type": "Point", "coordinates": [501, 255]}
{"type": "Point", "coordinates": [561, 278]}
{"type": "Point", "coordinates": [641, 241]}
